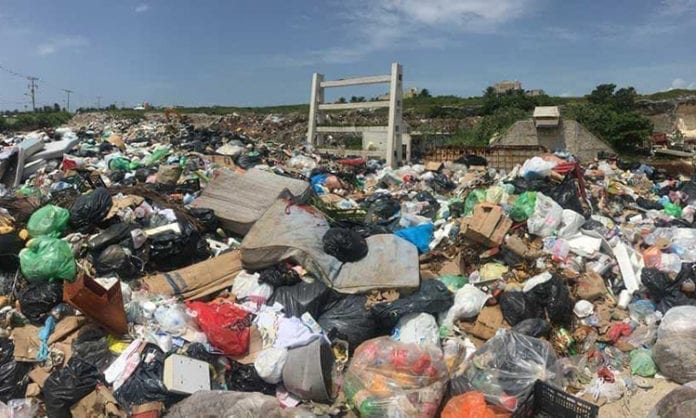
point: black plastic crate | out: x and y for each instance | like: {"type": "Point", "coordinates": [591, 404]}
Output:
{"type": "Point", "coordinates": [548, 401]}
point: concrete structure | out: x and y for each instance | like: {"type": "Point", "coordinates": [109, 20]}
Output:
{"type": "Point", "coordinates": [506, 86]}
{"type": "Point", "coordinates": [534, 92]}
{"type": "Point", "coordinates": [546, 116]}
{"type": "Point", "coordinates": [566, 135]}
{"type": "Point", "coordinates": [394, 128]}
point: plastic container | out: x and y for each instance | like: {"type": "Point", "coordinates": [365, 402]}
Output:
{"type": "Point", "coordinates": [547, 400]}
{"type": "Point", "coordinates": [307, 371]}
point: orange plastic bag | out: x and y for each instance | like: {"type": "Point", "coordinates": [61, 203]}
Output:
{"type": "Point", "coordinates": [468, 405]}
{"type": "Point", "coordinates": [226, 326]}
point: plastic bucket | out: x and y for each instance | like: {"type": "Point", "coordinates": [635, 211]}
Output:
{"type": "Point", "coordinates": [307, 372]}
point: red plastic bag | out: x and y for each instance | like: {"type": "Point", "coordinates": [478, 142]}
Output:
{"type": "Point", "coordinates": [226, 326]}
{"type": "Point", "coordinates": [468, 405]}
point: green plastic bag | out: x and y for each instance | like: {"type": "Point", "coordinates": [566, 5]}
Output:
{"type": "Point", "coordinates": [472, 199]}
{"type": "Point", "coordinates": [453, 282]}
{"type": "Point", "coordinates": [523, 207]}
{"type": "Point", "coordinates": [48, 221]}
{"type": "Point", "coordinates": [642, 363]}
{"type": "Point", "coordinates": [47, 258]}
{"type": "Point", "coordinates": [156, 156]}
{"type": "Point", "coordinates": [673, 210]}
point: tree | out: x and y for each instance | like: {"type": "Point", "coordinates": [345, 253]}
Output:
{"type": "Point", "coordinates": [624, 99]}
{"type": "Point", "coordinates": [353, 99]}
{"type": "Point", "coordinates": [424, 93]}
{"type": "Point", "coordinates": [341, 100]}
{"type": "Point", "coordinates": [56, 107]}
{"type": "Point", "coordinates": [602, 94]}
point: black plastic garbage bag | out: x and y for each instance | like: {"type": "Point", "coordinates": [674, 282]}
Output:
{"type": "Point", "coordinates": [350, 320]}
{"type": "Point", "coordinates": [522, 184]}
{"type": "Point", "coordinates": [432, 297]}
{"type": "Point", "coordinates": [303, 297]}
{"type": "Point", "coordinates": [433, 204]}
{"type": "Point", "coordinates": [666, 293]}
{"type": "Point", "coordinates": [114, 259]}
{"type": "Point", "coordinates": [566, 195]}
{"type": "Point", "coordinates": [244, 378]}
{"type": "Point", "coordinates": [13, 374]}
{"type": "Point", "coordinates": [111, 235]}
{"type": "Point", "coordinates": [533, 327]}
{"type": "Point", "coordinates": [689, 187]}
{"type": "Point", "coordinates": [169, 250]}
{"type": "Point", "coordinates": [472, 160]}
{"type": "Point", "coordinates": [248, 159]}
{"type": "Point", "coordinates": [92, 346]}
{"type": "Point", "coordinates": [10, 246]}
{"type": "Point", "coordinates": [441, 183]}
{"type": "Point", "coordinates": [90, 209]}
{"type": "Point", "coordinates": [68, 385]}
{"type": "Point", "coordinates": [517, 307]}
{"type": "Point", "coordinates": [554, 296]}
{"type": "Point", "coordinates": [37, 300]}
{"type": "Point", "coordinates": [382, 209]}
{"type": "Point", "coordinates": [648, 204]}
{"type": "Point", "coordinates": [206, 218]}
{"type": "Point", "coordinates": [346, 245]}
{"type": "Point", "coordinates": [279, 275]}
{"type": "Point", "coordinates": [145, 384]}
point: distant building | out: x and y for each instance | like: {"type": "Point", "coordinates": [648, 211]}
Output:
{"type": "Point", "coordinates": [412, 92]}
{"type": "Point", "coordinates": [507, 86]}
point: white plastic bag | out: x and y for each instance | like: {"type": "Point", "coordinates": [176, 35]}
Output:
{"type": "Point", "coordinates": [468, 302]}
{"type": "Point", "coordinates": [678, 321]}
{"type": "Point", "coordinates": [269, 364]}
{"type": "Point", "coordinates": [536, 167]}
{"type": "Point", "coordinates": [417, 328]}
{"type": "Point", "coordinates": [246, 285]}
{"type": "Point", "coordinates": [571, 222]}
{"type": "Point", "coordinates": [546, 217]}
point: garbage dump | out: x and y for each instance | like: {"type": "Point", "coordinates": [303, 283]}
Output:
{"type": "Point", "coordinates": [154, 268]}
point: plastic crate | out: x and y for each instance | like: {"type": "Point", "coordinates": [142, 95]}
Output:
{"type": "Point", "coordinates": [548, 401]}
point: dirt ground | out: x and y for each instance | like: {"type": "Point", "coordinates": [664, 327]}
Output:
{"type": "Point", "coordinates": [640, 404]}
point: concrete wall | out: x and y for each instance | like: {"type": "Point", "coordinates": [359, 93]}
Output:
{"type": "Point", "coordinates": [569, 136]}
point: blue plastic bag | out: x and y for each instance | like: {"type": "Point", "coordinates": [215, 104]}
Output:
{"type": "Point", "coordinates": [419, 235]}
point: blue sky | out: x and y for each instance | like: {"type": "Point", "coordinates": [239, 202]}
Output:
{"type": "Point", "coordinates": [258, 52]}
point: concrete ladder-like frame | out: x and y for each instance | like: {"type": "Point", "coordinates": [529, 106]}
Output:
{"type": "Point", "coordinates": [394, 129]}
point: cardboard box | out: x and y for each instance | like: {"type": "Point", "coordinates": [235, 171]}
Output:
{"type": "Point", "coordinates": [487, 225]}
{"type": "Point", "coordinates": [434, 166]}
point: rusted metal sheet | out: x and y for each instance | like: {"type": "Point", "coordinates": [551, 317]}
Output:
{"type": "Point", "coordinates": [503, 157]}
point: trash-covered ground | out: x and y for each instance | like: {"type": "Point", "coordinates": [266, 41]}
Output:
{"type": "Point", "coordinates": [156, 268]}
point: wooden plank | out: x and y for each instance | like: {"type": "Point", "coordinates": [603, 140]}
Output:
{"type": "Point", "coordinates": [357, 105]}
{"type": "Point", "coordinates": [349, 129]}
{"type": "Point", "coordinates": [357, 81]}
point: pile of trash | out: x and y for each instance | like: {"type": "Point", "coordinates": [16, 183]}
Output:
{"type": "Point", "coordinates": [159, 269]}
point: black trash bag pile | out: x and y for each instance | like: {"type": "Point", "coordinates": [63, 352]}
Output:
{"type": "Point", "coordinates": [245, 378]}
{"type": "Point", "coordinates": [522, 184]}
{"type": "Point", "coordinates": [66, 386]}
{"type": "Point", "coordinates": [10, 246]}
{"type": "Point", "coordinates": [567, 196]}
{"type": "Point", "coordinates": [472, 160]}
{"type": "Point", "coordinates": [145, 384]}
{"type": "Point", "coordinates": [13, 374]}
{"type": "Point", "coordinates": [37, 300]}
{"type": "Point", "coordinates": [689, 188]}
{"type": "Point", "coordinates": [248, 160]}
{"type": "Point", "coordinates": [90, 209]}
{"type": "Point", "coordinates": [648, 204]}
{"type": "Point", "coordinates": [206, 218]}
{"type": "Point", "coordinates": [346, 245]}
{"type": "Point", "coordinates": [554, 297]}
{"type": "Point", "coordinates": [533, 327]}
{"type": "Point", "coordinates": [350, 320]}
{"type": "Point", "coordinates": [382, 210]}
{"type": "Point", "coordinates": [666, 293]}
{"type": "Point", "coordinates": [441, 183]}
{"type": "Point", "coordinates": [279, 275]}
{"type": "Point", "coordinates": [111, 235]}
{"type": "Point", "coordinates": [116, 259]}
{"type": "Point", "coordinates": [432, 297]}
{"type": "Point", "coordinates": [303, 297]}
{"type": "Point", "coordinates": [92, 346]}
{"type": "Point", "coordinates": [170, 251]}
{"type": "Point", "coordinates": [518, 307]}
{"type": "Point", "coordinates": [433, 204]}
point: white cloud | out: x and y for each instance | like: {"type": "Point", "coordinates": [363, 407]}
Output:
{"type": "Point", "coordinates": [61, 43]}
{"type": "Point", "coordinates": [142, 8]}
{"type": "Point", "coordinates": [377, 25]}
{"type": "Point", "coordinates": [678, 7]}
{"type": "Point", "coordinates": [680, 83]}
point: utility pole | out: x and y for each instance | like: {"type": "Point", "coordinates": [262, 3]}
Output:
{"type": "Point", "coordinates": [68, 99]}
{"type": "Point", "coordinates": [99, 102]}
{"type": "Point", "coordinates": [32, 89]}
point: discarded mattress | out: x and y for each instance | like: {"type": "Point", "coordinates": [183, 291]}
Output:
{"type": "Point", "coordinates": [239, 200]}
{"type": "Point", "coordinates": [291, 232]}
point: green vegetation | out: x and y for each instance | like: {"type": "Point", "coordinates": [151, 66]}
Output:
{"type": "Point", "coordinates": [30, 120]}
{"type": "Point", "coordinates": [611, 115]}
{"type": "Point", "coordinates": [669, 94]}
